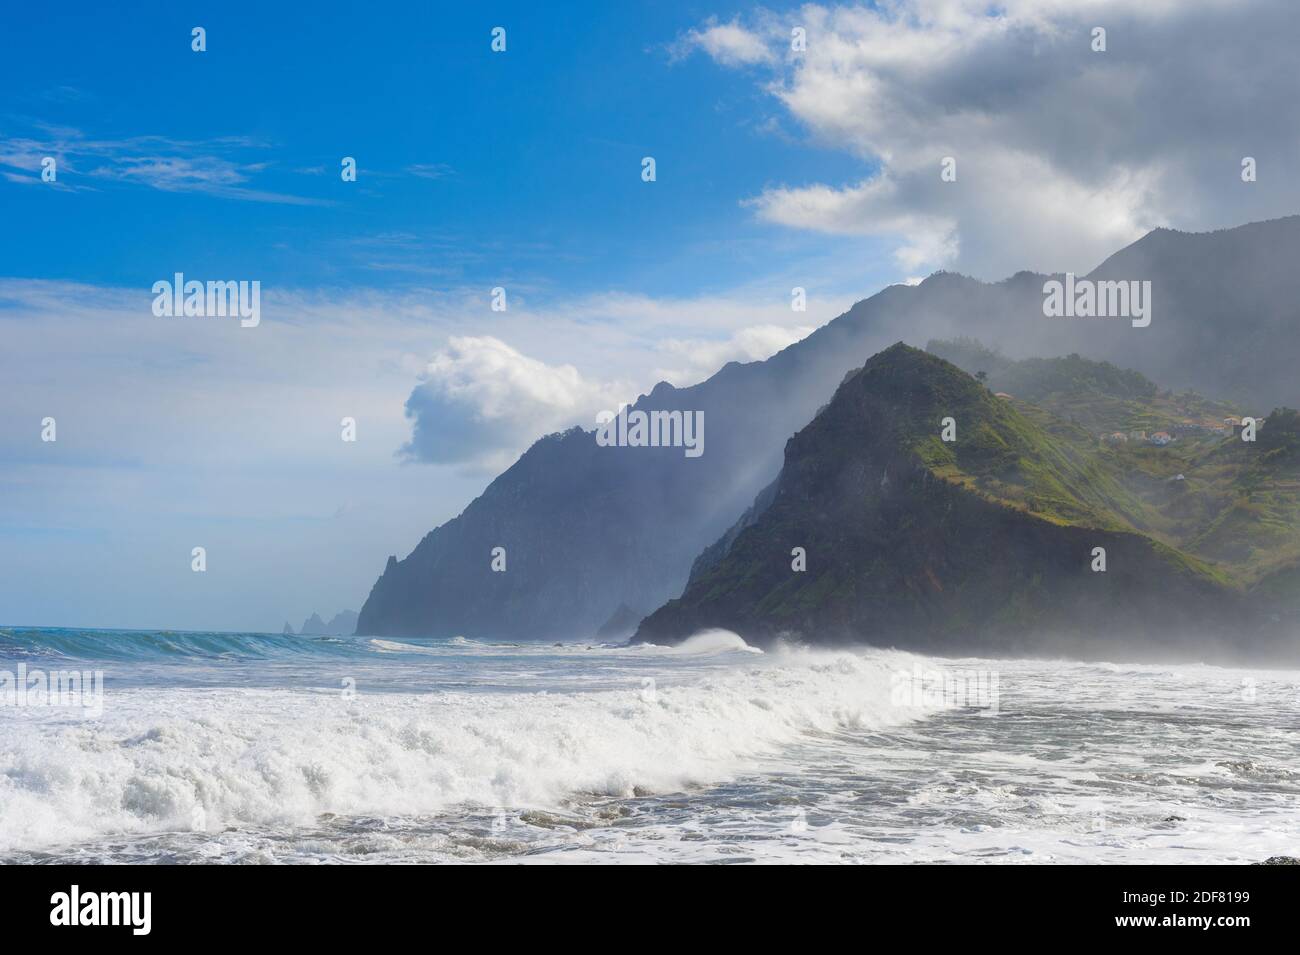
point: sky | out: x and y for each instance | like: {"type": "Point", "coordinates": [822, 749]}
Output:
{"type": "Point", "coordinates": [521, 169]}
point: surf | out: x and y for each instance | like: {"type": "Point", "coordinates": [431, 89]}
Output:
{"type": "Point", "coordinates": [163, 757]}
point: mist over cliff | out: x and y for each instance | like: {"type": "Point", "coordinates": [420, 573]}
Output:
{"type": "Point", "coordinates": [573, 530]}
{"type": "Point", "coordinates": [921, 510]}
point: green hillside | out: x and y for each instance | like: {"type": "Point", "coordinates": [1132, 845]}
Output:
{"type": "Point", "coordinates": [1228, 502]}
{"type": "Point", "coordinates": [987, 540]}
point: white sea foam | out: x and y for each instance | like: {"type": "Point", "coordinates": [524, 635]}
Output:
{"type": "Point", "coordinates": [543, 753]}
{"type": "Point", "coordinates": [173, 758]}
{"type": "Point", "coordinates": [395, 646]}
{"type": "Point", "coordinates": [713, 641]}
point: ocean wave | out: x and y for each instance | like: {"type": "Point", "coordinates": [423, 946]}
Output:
{"type": "Point", "coordinates": [176, 759]}
{"type": "Point", "coordinates": [161, 645]}
{"type": "Point", "coordinates": [710, 641]}
{"type": "Point", "coordinates": [396, 646]}
{"type": "Point", "coordinates": [149, 646]}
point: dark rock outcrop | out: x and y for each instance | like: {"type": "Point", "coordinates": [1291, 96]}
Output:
{"type": "Point", "coordinates": [343, 623]}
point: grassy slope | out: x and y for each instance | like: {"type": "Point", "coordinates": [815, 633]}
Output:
{"type": "Point", "coordinates": [1237, 508]}
{"type": "Point", "coordinates": [907, 534]}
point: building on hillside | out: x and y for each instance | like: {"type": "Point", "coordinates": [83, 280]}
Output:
{"type": "Point", "coordinates": [1161, 438]}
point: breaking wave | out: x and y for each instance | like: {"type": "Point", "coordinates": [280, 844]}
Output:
{"type": "Point", "coordinates": [180, 758]}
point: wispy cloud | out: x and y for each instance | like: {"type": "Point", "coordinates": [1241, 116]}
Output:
{"type": "Point", "coordinates": [730, 43]}
{"type": "Point", "coordinates": [223, 166]}
{"type": "Point", "coordinates": [430, 170]}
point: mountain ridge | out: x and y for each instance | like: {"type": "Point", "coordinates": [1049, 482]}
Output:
{"type": "Point", "coordinates": [586, 529]}
{"type": "Point", "coordinates": [985, 544]}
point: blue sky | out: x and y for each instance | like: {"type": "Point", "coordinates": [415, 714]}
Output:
{"type": "Point", "coordinates": [776, 168]}
{"type": "Point", "coordinates": [475, 168]}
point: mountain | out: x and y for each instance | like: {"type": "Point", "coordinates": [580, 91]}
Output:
{"type": "Point", "coordinates": [1096, 395]}
{"type": "Point", "coordinates": [987, 543]}
{"type": "Point", "coordinates": [587, 528]}
{"type": "Point", "coordinates": [1227, 501]}
{"type": "Point", "coordinates": [343, 623]}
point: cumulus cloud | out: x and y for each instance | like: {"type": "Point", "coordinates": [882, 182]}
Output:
{"type": "Point", "coordinates": [480, 401]}
{"type": "Point", "coordinates": [1062, 154]}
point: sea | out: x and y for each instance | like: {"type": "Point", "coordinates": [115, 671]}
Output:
{"type": "Point", "coordinates": [182, 747]}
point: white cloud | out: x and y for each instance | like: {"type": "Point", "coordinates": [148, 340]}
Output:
{"type": "Point", "coordinates": [874, 207]}
{"type": "Point", "coordinates": [177, 432]}
{"type": "Point", "coordinates": [1063, 154]}
{"type": "Point", "coordinates": [481, 402]}
{"type": "Point", "coordinates": [729, 43]}
{"type": "Point", "coordinates": [697, 359]}
{"type": "Point", "coordinates": [415, 369]}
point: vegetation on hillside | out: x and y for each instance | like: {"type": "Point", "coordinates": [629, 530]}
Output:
{"type": "Point", "coordinates": [988, 535]}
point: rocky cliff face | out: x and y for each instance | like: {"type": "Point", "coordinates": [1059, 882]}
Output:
{"type": "Point", "coordinates": [587, 528]}
{"type": "Point", "coordinates": [983, 544]}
